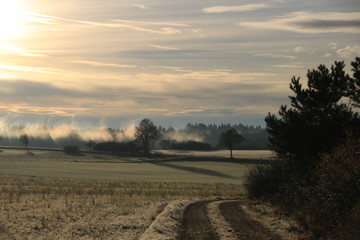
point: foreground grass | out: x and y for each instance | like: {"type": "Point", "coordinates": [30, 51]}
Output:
{"type": "Point", "coordinates": [51, 195]}
{"type": "Point", "coordinates": [50, 208]}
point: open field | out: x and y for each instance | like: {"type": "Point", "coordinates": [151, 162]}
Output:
{"type": "Point", "coordinates": [198, 167]}
{"type": "Point", "coordinates": [51, 195]}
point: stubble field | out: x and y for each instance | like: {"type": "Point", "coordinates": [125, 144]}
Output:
{"type": "Point", "coordinates": [51, 195]}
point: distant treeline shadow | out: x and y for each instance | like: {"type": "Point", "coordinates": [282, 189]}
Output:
{"type": "Point", "coordinates": [191, 169]}
{"type": "Point", "coordinates": [211, 159]}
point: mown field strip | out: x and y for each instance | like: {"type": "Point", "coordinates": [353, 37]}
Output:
{"type": "Point", "coordinates": [204, 172]}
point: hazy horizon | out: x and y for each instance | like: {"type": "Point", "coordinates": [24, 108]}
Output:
{"type": "Point", "coordinates": [111, 62]}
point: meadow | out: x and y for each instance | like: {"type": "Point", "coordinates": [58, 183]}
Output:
{"type": "Point", "coordinates": [52, 195]}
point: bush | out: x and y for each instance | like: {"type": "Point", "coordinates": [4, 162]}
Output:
{"type": "Point", "coordinates": [264, 181]}
{"type": "Point", "coordinates": [71, 149]}
{"type": "Point", "coordinates": [188, 145]}
{"type": "Point", "coordinates": [116, 147]}
{"type": "Point", "coordinates": [337, 190]}
{"type": "Point", "coordinates": [323, 201]}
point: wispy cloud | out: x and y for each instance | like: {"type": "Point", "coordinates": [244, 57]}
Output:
{"type": "Point", "coordinates": [348, 51]}
{"type": "Point", "coordinates": [332, 45]}
{"type": "Point", "coordinates": [300, 49]}
{"type": "Point", "coordinates": [102, 64]}
{"type": "Point", "coordinates": [166, 29]}
{"type": "Point", "coordinates": [13, 50]}
{"type": "Point", "coordinates": [172, 24]}
{"type": "Point", "coordinates": [164, 47]}
{"type": "Point", "coordinates": [20, 68]}
{"type": "Point", "coordinates": [6, 49]}
{"type": "Point", "coordinates": [173, 68]}
{"type": "Point", "coordinates": [288, 66]}
{"type": "Point", "coordinates": [142, 6]}
{"type": "Point", "coordinates": [33, 17]}
{"type": "Point", "coordinates": [162, 30]}
{"type": "Point", "coordinates": [185, 112]}
{"type": "Point", "coordinates": [239, 8]}
{"type": "Point", "coordinates": [275, 55]}
{"type": "Point", "coordinates": [310, 22]}
{"type": "Point", "coordinates": [29, 109]}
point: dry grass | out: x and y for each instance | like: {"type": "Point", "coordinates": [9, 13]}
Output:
{"type": "Point", "coordinates": [51, 195]}
{"type": "Point", "coordinates": [282, 225]}
{"type": "Point", "coordinates": [45, 208]}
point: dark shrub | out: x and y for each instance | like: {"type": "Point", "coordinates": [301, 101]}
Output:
{"type": "Point", "coordinates": [264, 181]}
{"type": "Point", "coordinates": [337, 190]}
{"type": "Point", "coordinates": [116, 147]}
{"type": "Point", "coordinates": [71, 149]}
{"type": "Point", "coordinates": [190, 145]}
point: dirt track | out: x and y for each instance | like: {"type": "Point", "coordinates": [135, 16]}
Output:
{"type": "Point", "coordinates": [196, 224]}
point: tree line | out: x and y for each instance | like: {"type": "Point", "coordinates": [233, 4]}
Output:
{"type": "Point", "coordinates": [147, 136]}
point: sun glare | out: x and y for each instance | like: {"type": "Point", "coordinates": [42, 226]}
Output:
{"type": "Point", "coordinates": [10, 19]}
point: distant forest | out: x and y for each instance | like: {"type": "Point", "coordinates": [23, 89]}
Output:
{"type": "Point", "coordinates": [197, 136]}
{"type": "Point", "coordinates": [255, 137]}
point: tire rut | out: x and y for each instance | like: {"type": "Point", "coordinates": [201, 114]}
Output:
{"type": "Point", "coordinates": [196, 225]}
{"type": "Point", "coordinates": [243, 226]}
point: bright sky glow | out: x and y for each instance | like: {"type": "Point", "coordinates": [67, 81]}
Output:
{"type": "Point", "coordinates": [207, 61]}
{"type": "Point", "coordinates": [10, 19]}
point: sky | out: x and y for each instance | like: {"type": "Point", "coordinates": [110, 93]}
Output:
{"type": "Point", "coordinates": [114, 62]}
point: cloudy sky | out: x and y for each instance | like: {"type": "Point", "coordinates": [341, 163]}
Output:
{"type": "Point", "coordinates": [114, 61]}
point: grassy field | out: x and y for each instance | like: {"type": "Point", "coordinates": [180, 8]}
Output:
{"type": "Point", "coordinates": [51, 195]}
{"type": "Point", "coordinates": [200, 167]}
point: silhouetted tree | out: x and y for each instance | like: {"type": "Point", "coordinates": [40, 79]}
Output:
{"type": "Point", "coordinates": [90, 144]}
{"type": "Point", "coordinates": [317, 119]}
{"type": "Point", "coordinates": [146, 134]}
{"type": "Point", "coordinates": [24, 139]}
{"type": "Point", "coordinates": [355, 84]}
{"type": "Point", "coordinates": [230, 139]}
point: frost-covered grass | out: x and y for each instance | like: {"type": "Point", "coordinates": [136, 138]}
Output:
{"type": "Point", "coordinates": [51, 195]}
{"type": "Point", "coordinates": [51, 208]}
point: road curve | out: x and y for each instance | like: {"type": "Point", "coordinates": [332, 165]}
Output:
{"type": "Point", "coordinates": [195, 224]}
{"type": "Point", "coordinates": [243, 226]}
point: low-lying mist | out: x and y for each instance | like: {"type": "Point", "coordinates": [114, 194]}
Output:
{"type": "Point", "coordinates": [74, 134]}
{"type": "Point", "coordinates": [61, 135]}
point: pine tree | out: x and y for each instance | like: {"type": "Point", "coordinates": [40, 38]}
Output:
{"type": "Point", "coordinates": [318, 117]}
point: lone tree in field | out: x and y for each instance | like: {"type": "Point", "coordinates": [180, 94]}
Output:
{"type": "Point", "coordinates": [146, 134]}
{"type": "Point", "coordinates": [318, 117]}
{"type": "Point", "coordinates": [230, 139]}
{"type": "Point", "coordinates": [24, 139]}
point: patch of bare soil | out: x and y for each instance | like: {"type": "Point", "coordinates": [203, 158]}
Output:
{"type": "Point", "coordinates": [243, 225]}
{"type": "Point", "coordinates": [195, 224]}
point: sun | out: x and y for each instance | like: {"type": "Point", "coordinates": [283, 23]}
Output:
{"type": "Point", "coordinates": [11, 16]}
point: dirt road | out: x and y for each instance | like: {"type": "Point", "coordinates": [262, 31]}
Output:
{"type": "Point", "coordinates": [196, 224]}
